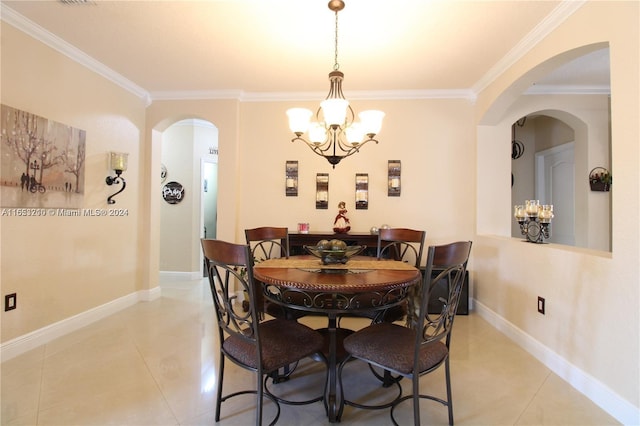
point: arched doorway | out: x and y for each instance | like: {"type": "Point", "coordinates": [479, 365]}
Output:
{"type": "Point", "coordinates": [189, 195]}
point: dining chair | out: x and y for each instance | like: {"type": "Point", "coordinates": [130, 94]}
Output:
{"type": "Point", "coordinates": [402, 244]}
{"type": "Point", "coordinates": [268, 242]}
{"type": "Point", "coordinates": [406, 245]}
{"type": "Point", "coordinates": [414, 350]}
{"type": "Point", "coordinates": [260, 346]}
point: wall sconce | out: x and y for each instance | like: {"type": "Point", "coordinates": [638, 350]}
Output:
{"type": "Point", "coordinates": [117, 162]}
{"type": "Point", "coordinates": [291, 179]}
{"type": "Point", "coordinates": [362, 191]}
{"type": "Point", "coordinates": [322, 190]}
{"type": "Point", "coordinates": [394, 178]}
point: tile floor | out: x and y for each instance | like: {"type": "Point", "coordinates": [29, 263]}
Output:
{"type": "Point", "coordinates": [154, 364]}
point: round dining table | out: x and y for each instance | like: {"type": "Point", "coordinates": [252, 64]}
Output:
{"type": "Point", "coordinates": [361, 285]}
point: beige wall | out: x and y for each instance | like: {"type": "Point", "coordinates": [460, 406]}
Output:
{"type": "Point", "coordinates": [176, 220]}
{"type": "Point", "coordinates": [592, 296]}
{"type": "Point", "coordinates": [62, 266]}
{"type": "Point", "coordinates": [432, 138]}
{"type": "Point", "coordinates": [455, 174]}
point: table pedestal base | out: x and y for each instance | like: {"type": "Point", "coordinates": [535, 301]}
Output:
{"type": "Point", "coordinates": [340, 335]}
{"type": "Point", "coordinates": [334, 352]}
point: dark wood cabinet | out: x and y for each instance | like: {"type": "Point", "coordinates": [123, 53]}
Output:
{"type": "Point", "coordinates": [441, 290]}
{"type": "Point", "coordinates": [297, 241]}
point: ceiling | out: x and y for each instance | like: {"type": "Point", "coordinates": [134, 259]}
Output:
{"type": "Point", "coordinates": [284, 48]}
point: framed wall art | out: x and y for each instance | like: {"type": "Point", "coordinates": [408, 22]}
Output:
{"type": "Point", "coordinates": [42, 161]}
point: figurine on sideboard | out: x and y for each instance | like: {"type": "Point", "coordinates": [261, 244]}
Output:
{"type": "Point", "coordinates": [341, 223]}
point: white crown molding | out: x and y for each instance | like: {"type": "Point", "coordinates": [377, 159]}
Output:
{"type": "Point", "coordinates": [565, 9]}
{"type": "Point", "coordinates": [32, 29]}
{"type": "Point", "coordinates": [560, 14]}
{"type": "Point", "coordinates": [313, 96]}
{"type": "Point", "coordinates": [196, 95]}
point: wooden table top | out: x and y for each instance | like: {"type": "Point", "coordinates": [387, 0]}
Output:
{"type": "Point", "coordinates": [360, 274]}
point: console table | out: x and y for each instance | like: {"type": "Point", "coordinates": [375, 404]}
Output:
{"type": "Point", "coordinates": [298, 240]}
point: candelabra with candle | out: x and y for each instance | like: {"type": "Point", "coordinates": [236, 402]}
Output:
{"type": "Point", "coordinates": [534, 220]}
{"type": "Point", "coordinates": [117, 162]}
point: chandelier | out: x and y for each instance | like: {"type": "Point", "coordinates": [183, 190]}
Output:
{"type": "Point", "coordinates": [335, 134]}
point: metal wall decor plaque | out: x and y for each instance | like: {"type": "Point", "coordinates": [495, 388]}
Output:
{"type": "Point", "coordinates": [173, 192]}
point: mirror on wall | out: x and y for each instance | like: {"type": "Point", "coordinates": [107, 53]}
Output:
{"type": "Point", "coordinates": [564, 133]}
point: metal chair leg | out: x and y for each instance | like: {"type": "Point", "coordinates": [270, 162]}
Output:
{"type": "Point", "coordinates": [219, 397]}
{"type": "Point", "coordinates": [447, 373]}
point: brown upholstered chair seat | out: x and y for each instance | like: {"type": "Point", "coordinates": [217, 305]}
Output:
{"type": "Point", "coordinates": [283, 342]}
{"type": "Point", "coordinates": [391, 346]}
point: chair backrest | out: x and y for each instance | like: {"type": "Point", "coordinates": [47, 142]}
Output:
{"type": "Point", "coordinates": [268, 242]}
{"type": "Point", "coordinates": [401, 244]}
{"type": "Point", "coordinates": [230, 268]}
{"type": "Point", "coordinates": [443, 262]}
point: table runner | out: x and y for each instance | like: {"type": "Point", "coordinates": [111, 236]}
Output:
{"type": "Point", "coordinates": [351, 264]}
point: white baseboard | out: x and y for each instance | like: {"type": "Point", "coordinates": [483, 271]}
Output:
{"type": "Point", "coordinates": [178, 275]}
{"type": "Point", "coordinates": [24, 343]}
{"type": "Point", "coordinates": [619, 408]}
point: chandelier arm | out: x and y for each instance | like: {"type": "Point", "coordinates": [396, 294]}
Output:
{"type": "Point", "coordinates": [318, 148]}
{"type": "Point", "coordinates": [351, 117]}
{"type": "Point", "coordinates": [322, 148]}
{"type": "Point", "coordinates": [356, 148]}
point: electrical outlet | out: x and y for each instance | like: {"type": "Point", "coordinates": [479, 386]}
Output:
{"type": "Point", "coordinates": [541, 305]}
{"type": "Point", "coordinates": [10, 301]}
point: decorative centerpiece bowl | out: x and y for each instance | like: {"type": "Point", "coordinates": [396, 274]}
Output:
{"type": "Point", "coordinates": [330, 256]}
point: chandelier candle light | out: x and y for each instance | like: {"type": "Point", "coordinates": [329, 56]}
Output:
{"type": "Point", "coordinates": [335, 134]}
{"type": "Point", "coordinates": [534, 220]}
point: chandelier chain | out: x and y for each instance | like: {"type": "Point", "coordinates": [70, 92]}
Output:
{"type": "Point", "coordinates": [336, 66]}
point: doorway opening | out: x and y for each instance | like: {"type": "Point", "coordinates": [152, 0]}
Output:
{"type": "Point", "coordinates": [189, 161]}
{"type": "Point", "coordinates": [555, 177]}
{"type": "Point", "coordinates": [209, 197]}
